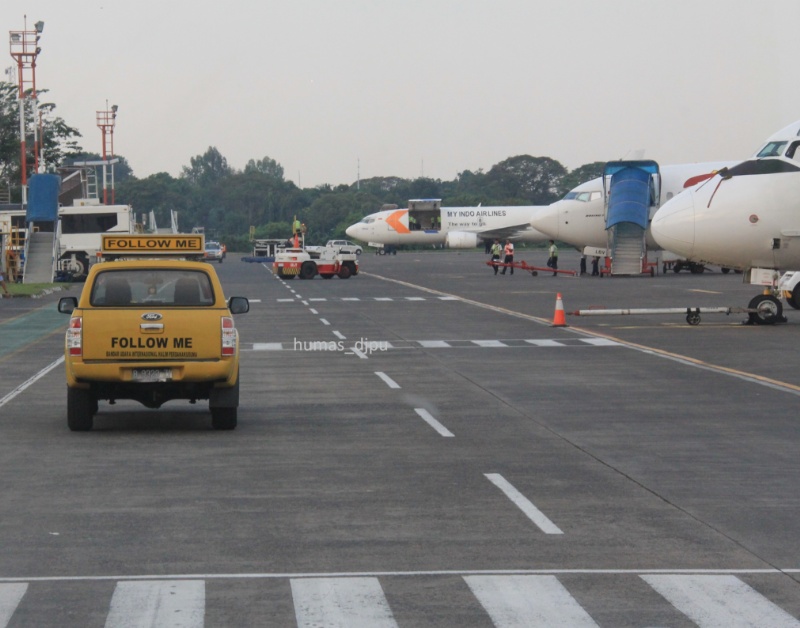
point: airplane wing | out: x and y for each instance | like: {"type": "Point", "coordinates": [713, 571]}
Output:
{"type": "Point", "coordinates": [512, 232]}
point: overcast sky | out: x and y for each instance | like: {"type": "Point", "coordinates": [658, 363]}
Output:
{"type": "Point", "coordinates": [417, 87]}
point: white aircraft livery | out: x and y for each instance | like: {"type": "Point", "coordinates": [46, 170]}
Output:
{"type": "Point", "coordinates": [745, 217]}
{"type": "Point", "coordinates": [426, 222]}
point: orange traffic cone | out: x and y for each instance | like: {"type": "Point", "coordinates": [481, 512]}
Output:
{"type": "Point", "coordinates": [559, 320]}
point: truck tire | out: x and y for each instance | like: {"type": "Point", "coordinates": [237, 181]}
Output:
{"type": "Point", "coordinates": [81, 406]}
{"type": "Point", "coordinates": [353, 268]}
{"type": "Point", "coordinates": [344, 272]}
{"type": "Point", "coordinates": [308, 270]}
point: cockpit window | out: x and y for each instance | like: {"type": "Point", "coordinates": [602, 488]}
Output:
{"type": "Point", "coordinates": [583, 197]}
{"type": "Point", "coordinates": [772, 149]}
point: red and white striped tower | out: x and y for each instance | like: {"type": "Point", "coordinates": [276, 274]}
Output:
{"type": "Point", "coordinates": [24, 48]}
{"type": "Point", "coordinates": [105, 122]}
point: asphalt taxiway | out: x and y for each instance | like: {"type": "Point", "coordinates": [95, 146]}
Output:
{"type": "Point", "coordinates": [418, 445]}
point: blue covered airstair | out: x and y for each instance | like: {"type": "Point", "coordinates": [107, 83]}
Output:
{"type": "Point", "coordinates": [631, 189]}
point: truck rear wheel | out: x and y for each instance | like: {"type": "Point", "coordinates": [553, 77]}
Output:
{"type": "Point", "coordinates": [81, 406]}
{"type": "Point", "coordinates": [344, 272]}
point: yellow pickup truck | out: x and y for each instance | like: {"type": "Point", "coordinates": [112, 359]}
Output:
{"type": "Point", "coordinates": [152, 328]}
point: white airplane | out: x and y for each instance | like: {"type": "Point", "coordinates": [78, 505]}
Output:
{"type": "Point", "coordinates": [579, 218]}
{"type": "Point", "coordinates": [745, 217]}
{"type": "Point", "coordinates": [424, 221]}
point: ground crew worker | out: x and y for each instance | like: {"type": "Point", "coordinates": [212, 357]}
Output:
{"type": "Point", "coordinates": [509, 256]}
{"type": "Point", "coordinates": [297, 227]}
{"type": "Point", "coordinates": [496, 250]}
{"type": "Point", "coordinates": [412, 223]}
{"type": "Point", "coordinates": [552, 261]}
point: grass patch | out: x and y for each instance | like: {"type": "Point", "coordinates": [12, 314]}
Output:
{"type": "Point", "coordinates": [33, 289]}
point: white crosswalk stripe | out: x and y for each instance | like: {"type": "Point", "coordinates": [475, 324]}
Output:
{"type": "Point", "coordinates": [341, 603]}
{"type": "Point", "coordinates": [528, 602]}
{"type": "Point", "coordinates": [720, 601]}
{"type": "Point", "coordinates": [10, 596]}
{"type": "Point", "coordinates": [160, 603]}
{"type": "Point", "coordinates": [359, 601]}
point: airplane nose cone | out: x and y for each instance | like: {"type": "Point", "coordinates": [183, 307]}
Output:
{"type": "Point", "coordinates": [352, 231]}
{"type": "Point", "coordinates": [547, 221]}
{"type": "Point", "coordinates": [673, 225]}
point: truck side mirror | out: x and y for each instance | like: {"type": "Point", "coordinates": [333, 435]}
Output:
{"type": "Point", "coordinates": [238, 305]}
{"type": "Point", "coordinates": [66, 305]}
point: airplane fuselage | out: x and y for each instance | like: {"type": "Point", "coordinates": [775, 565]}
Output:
{"type": "Point", "coordinates": [459, 227]}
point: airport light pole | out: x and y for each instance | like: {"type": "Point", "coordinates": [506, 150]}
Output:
{"type": "Point", "coordinates": [106, 121]}
{"type": "Point", "coordinates": [24, 48]}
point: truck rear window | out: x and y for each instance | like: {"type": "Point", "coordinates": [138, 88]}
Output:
{"type": "Point", "coordinates": [152, 286]}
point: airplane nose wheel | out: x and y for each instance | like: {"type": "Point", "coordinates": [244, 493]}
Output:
{"type": "Point", "coordinates": [768, 310]}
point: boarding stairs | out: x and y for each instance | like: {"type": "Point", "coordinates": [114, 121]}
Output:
{"type": "Point", "coordinates": [628, 249]}
{"type": "Point", "coordinates": [631, 192]}
{"type": "Point", "coordinates": [39, 257]}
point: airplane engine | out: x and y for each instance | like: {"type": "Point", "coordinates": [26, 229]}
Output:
{"type": "Point", "coordinates": [461, 240]}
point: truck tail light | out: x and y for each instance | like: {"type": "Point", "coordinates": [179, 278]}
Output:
{"type": "Point", "coordinates": [75, 336]}
{"type": "Point", "coordinates": [228, 336]}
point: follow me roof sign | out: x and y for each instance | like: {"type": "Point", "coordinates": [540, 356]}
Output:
{"type": "Point", "coordinates": [185, 243]}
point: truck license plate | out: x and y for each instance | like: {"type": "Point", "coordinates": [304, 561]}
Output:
{"type": "Point", "coordinates": [151, 375]}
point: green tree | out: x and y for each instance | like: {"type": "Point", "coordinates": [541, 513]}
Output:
{"type": "Point", "coordinates": [207, 169]}
{"type": "Point", "coordinates": [581, 174]}
{"type": "Point", "coordinates": [534, 180]}
{"type": "Point", "coordinates": [265, 166]}
{"type": "Point", "coordinates": [58, 139]}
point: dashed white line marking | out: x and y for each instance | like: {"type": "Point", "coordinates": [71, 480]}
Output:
{"type": "Point", "coordinates": [545, 343]}
{"type": "Point", "coordinates": [350, 299]}
{"type": "Point", "coordinates": [312, 310]}
{"type": "Point", "coordinates": [524, 504]}
{"type": "Point", "coordinates": [359, 353]}
{"type": "Point", "coordinates": [339, 335]}
{"type": "Point", "coordinates": [389, 381]}
{"type": "Point", "coordinates": [433, 344]}
{"type": "Point", "coordinates": [285, 300]}
{"type": "Point", "coordinates": [428, 418]}
{"type": "Point", "coordinates": [489, 343]}
{"type": "Point", "coordinates": [384, 299]}
{"type": "Point", "coordinates": [324, 322]}
{"type": "Point", "coordinates": [318, 299]}
{"type": "Point", "coordinates": [600, 342]}
{"type": "Point", "coordinates": [267, 346]}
